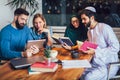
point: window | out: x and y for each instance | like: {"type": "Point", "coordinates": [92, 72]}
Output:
{"type": "Point", "coordinates": [58, 12]}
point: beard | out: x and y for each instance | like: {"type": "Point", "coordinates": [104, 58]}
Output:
{"type": "Point", "coordinates": [18, 25]}
{"type": "Point", "coordinates": [88, 24]}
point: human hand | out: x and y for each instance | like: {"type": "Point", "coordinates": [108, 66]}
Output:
{"type": "Point", "coordinates": [34, 49]}
{"type": "Point", "coordinates": [27, 53]}
{"type": "Point", "coordinates": [79, 43]}
{"type": "Point", "coordinates": [64, 45]}
{"type": "Point", "coordinates": [89, 51]}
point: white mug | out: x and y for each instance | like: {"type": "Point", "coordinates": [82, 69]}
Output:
{"type": "Point", "coordinates": [53, 54]}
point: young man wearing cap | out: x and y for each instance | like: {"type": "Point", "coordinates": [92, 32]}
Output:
{"type": "Point", "coordinates": [108, 46]}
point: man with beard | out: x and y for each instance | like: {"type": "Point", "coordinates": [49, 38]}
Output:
{"type": "Point", "coordinates": [14, 36]}
{"type": "Point", "coordinates": [108, 46]}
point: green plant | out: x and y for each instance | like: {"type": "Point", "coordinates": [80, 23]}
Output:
{"type": "Point", "coordinates": [32, 5]}
{"type": "Point", "coordinates": [47, 53]}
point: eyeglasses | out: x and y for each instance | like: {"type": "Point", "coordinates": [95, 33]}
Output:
{"type": "Point", "coordinates": [75, 21]}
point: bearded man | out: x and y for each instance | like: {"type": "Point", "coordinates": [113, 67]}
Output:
{"type": "Point", "coordinates": [14, 36]}
{"type": "Point", "coordinates": [108, 46]}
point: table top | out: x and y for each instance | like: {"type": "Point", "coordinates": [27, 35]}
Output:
{"type": "Point", "coordinates": [8, 73]}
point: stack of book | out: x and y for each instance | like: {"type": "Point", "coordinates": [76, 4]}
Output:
{"type": "Point", "coordinates": [30, 72]}
{"type": "Point", "coordinates": [39, 67]}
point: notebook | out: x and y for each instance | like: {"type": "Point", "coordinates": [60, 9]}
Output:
{"type": "Point", "coordinates": [88, 44]}
{"type": "Point", "coordinates": [38, 43]}
{"type": "Point", "coordinates": [20, 63]}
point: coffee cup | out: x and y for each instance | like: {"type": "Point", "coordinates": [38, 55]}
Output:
{"type": "Point", "coordinates": [74, 54]}
{"type": "Point", "coordinates": [53, 54]}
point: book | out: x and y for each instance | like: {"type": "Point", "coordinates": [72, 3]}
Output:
{"type": "Point", "coordinates": [79, 43]}
{"type": "Point", "coordinates": [30, 72]}
{"type": "Point", "coordinates": [44, 67]}
{"type": "Point", "coordinates": [62, 40]}
{"type": "Point", "coordinates": [66, 64]}
{"type": "Point", "coordinates": [88, 44]}
{"type": "Point", "coordinates": [38, 43]}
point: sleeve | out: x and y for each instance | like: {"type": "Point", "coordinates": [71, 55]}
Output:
{"type": "Point", "coordinates": [6, 51]}
{"type": "Point", "coordinates": [111, 41]}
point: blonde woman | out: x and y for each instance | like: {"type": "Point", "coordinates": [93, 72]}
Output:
{"type": "Point", "coordinates": [40, 31]}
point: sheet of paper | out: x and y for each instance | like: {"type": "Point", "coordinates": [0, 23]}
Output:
{"type": "Point", "coordinates": [75, 64]}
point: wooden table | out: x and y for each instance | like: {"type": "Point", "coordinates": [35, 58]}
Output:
{"type": "Point", "coordinates": [8, 73]}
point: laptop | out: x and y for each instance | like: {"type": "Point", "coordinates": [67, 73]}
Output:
{"type": "Point", "coordinates": [21, 63]}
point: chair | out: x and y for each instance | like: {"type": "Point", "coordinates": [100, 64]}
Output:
{"type": "Point", "coordinates": [117, 76]}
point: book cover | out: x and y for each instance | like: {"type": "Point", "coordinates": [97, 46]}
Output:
{"type": "Point", "coordinates": [30, 72]}
{"type": "Point", "coordinates": [56, 38]}
{"type": "Point", "coordinates": [61, 40]}
{"type": "Point", "coordinates": [66, 40]}
{"type": "Point", "coordinates": [44, 67]}
{"type": "Point", "coordinates": [88, 44]}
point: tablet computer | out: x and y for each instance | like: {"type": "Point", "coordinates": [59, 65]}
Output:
{"type": "Point", "coordinates": [38, 43]}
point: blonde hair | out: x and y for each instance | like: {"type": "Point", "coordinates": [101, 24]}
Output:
{"type": "Point", "coordinates": [40, 16]}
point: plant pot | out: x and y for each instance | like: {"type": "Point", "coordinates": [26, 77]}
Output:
{"type": "Point", "coordinates": [48, 61]}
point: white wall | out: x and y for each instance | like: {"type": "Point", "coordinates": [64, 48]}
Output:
{"type": "Point", "coordinates": [38, 11]}
{"type": "Point", "coordinates": [6, 13]}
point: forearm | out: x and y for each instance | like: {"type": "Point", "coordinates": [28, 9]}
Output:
{"type": "Point", "coordinates": [7, 54]}
{"type": "Point", "coordinates": [74, 47]}
{"type": "Point", "coordinates": [49, 43]}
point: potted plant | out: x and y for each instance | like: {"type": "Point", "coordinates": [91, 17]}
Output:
{"type": "Point", "coordinates": [32, 5]}
{"type": "Point", "coordinates": [47, 55]}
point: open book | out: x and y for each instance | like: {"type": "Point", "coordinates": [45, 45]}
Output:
{"type": "Point", "coordinates": [61, 40]}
